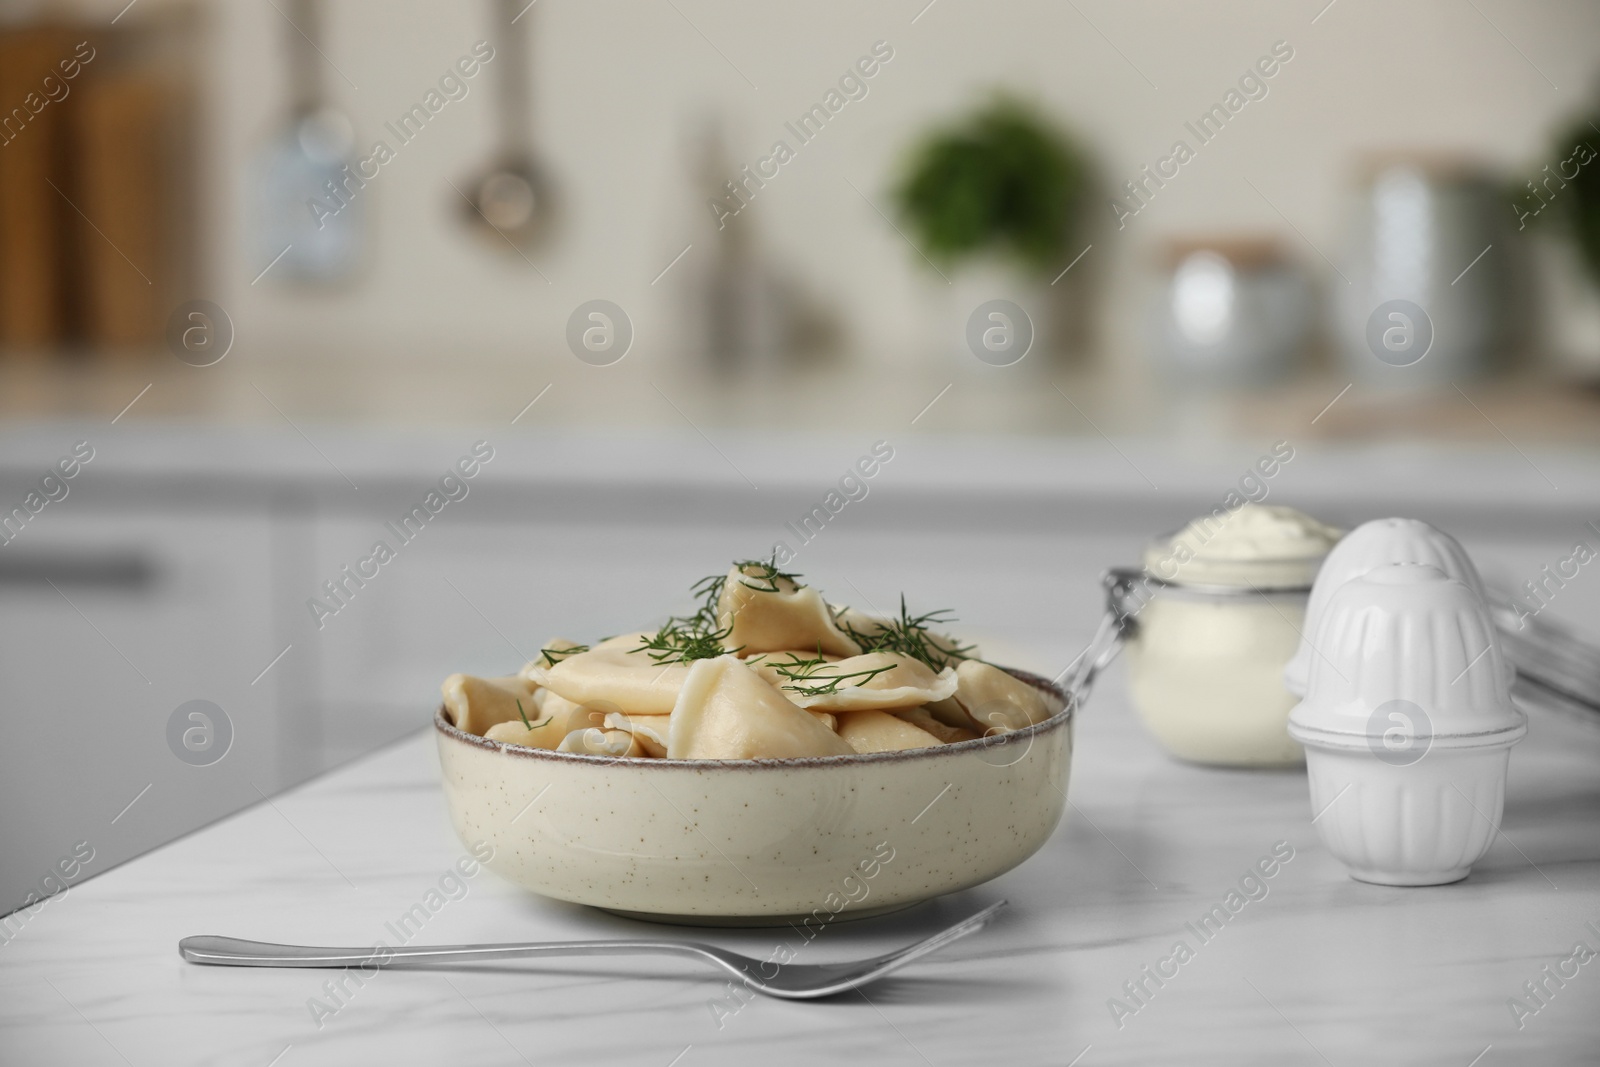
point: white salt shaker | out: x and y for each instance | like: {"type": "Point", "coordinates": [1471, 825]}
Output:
{"type": "Point", "coordinates": [1408, 725]}
{"type": "Point", "coordinates": [1373, 544]}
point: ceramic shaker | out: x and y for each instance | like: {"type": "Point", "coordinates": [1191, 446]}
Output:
{"type": "Point", "coordinates": [1373, 544]}
{"type": "Point", "coordinates": [1407, 724]}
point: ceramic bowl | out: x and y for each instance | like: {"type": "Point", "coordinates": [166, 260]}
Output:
{"type": "Point", "coordinates": [1370, 545]}
{"type": "Point", "coordinates": [760, 842]}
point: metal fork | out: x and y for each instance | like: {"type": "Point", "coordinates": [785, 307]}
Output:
{"type": "Point", "coordinates": [791, 981]}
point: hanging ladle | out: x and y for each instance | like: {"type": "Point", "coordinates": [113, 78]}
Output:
{"type": "Point", "coordinates": [511, 198]}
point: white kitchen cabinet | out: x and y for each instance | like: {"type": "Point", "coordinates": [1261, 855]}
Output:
{"type": "Point", "coordinates": [109, 620]}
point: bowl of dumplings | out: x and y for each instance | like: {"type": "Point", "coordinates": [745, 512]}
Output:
{"type": "Point", "coordinates": [768, 758]}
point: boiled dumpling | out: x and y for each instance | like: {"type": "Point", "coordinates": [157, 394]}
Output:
{"type": "Point", "coordinates": [952, 714]}
{"type": "Point", "coordinates": [555, 646]}
{"type": "Point", "coordinates": [551, 717]}
{"type": "Point", "coordinates": [899, 682]}
{"type": "Point", "coordinates": [593, 741]}
{"type": "Point", "coordinates": [878, 731]}
{"type": "Point", "coordinates": [475, 704]}
{"type": "Point", "coordinates": [868, 627]}
{"type": "Point", "coordinates": [651, 730]}
{"type": "Point", "coordinates": [774, 614]}
{"type": "Point", "coordinates": [763, 661]}
{"type": "Point", "coordinates": [514, 733]}
{"type": "Point", "coordinates": [726, 711]}
{"type": "Point", "coordinates": [998, 702]}
{"type": "Point", "coordinates": [857, 620]}
{"type": "Point", "coordinates": [614, 672]}
{"type": "Point", "coordinates": [922, 719]}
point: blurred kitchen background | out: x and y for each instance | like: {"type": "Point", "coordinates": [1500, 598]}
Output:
{"type": "Point", "coordinates": [1399, 141]}
{"type": "Point", "coordinates": [282, 262]}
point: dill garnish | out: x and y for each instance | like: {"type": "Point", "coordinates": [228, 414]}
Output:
{"type": "Point", "coordinates": [685, 638]}
{"type": "Point", "coordinates": [765, 580]}
{"type": "Point", "coordinates": [709, 592]}
{"type": "Point", "coordinates": [552, 656]}
{"type": "Point", "coordinates": [807, 671]}
{"type": "Point", "coordinates": [909, 636]}
{"type": "Point", "coordinates": [680, 640]}
{"type": "Point", "coordinates": [524, 716]}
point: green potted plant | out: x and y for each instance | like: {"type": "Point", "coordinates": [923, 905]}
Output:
{"type": "Point", "coordinates": [990, 200]}
{"type": "Point", "coordinates": [1559, 208]}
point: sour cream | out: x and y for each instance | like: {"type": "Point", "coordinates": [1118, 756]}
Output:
{"type": "Point", "coordinates": [1265, 545]}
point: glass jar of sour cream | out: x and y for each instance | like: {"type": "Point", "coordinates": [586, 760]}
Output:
{"type": "Point", "coordinates": [1210, 621]}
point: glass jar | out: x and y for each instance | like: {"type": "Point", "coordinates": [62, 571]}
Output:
{"type": "Point", "coordinates": [1206, 659]}
{"type": "Point", "coordinates": [1428, 294]}
{"type": "Point", "coordinates": [1209, 622]}
{"type": "Point", "coordinates": [1231, 312]}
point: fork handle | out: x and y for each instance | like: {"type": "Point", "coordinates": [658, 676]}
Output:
{"type": "Point", "coordinates": [234, 952]}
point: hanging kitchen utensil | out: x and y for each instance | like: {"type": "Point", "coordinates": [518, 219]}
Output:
{"type": "Point", "coordinates": [510, 200]}
{"type": "Point", "coordinates": [310, 223]}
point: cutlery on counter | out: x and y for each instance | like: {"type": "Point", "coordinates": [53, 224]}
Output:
{"type": "Point", "coordinates": [793, 981]}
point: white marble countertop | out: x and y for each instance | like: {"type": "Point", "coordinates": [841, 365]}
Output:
{"type": "Point", "coordinates": [1320, 970]}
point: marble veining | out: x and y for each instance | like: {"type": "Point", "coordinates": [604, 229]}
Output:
{"type": "Point", "coordinates": [1313, 968]}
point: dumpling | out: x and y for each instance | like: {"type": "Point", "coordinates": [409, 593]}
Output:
{"type": "Point", "coordinates": [952, 714]}
{"type": "Point", "coordinates": [475, 704]}
{"type": "Point", "coordinates": [785, 658]}
{"type": "Point", "coordinates": [726, 711]}
{"type": "Point", "coordinates": [651, 730]}
{"type": "Point", "coordinates": [614, 673]}
{"type": "Point", "coordinates": [922, 719]}
{"type": "Point", "coordinates": [878, 731]}
{"type": "Point", "coordinates": [868, 627]}
{"type": "Point", "coordinates": [772, 615]}
{"type": "Point", "coordinates": [592, 741]}
{"type": "Point", "coordinates": [551, 718]}
{"type": "Point", "coordinates": [996, 701]}
{"type": "Point", "coordinates": [898, 681]}
{"type": "Point", "coordinates": [514, 733]}
{"type": "Point", "coordinates": [555, 646]}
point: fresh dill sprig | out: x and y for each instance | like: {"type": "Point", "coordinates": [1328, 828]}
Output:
{"type": "Point", "coordinates": [552, 656]}
{"type": "Point", "coordinates": [909, 636]}
{"type": "Point", "coordinates": [524, 716]}
{"type": "Point", "coordinates": [709, 592]}
{"type": "Point", "coordinates": [700, 635]}
{"type": "Point", "coordinates": [681, 641]}
{"type": "Point", "coordinates": [805, 671]}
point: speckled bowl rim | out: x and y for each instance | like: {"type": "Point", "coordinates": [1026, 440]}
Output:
{"type": "Point", "coordinates": [1054, 722]}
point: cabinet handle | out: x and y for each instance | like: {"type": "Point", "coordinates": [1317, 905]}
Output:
{"type": "Point", "coordinates": [126, 571]}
